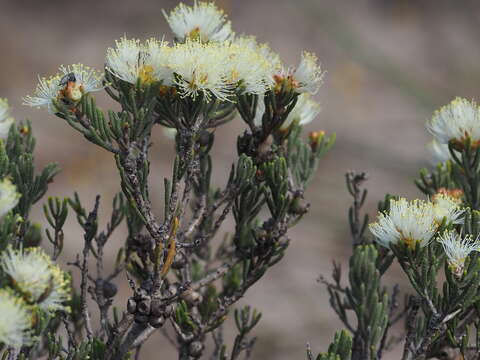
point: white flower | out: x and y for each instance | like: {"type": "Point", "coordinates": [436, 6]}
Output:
{"type": "Point", "coordinates": [251, 42]}
{"type": "Point", "coordinates": [131, 61]}
{"type": "Point", "coordinates": [249, 69]}
{"type": "Point", "coordinates": [46, 92]}
{"type": "Point", "coordinates": [202, 21]}
{"type": "Point", "coordinates": [6, 121]}
{"type": "Point", "coordinates": [458, 249]}
{"type": "Point", "coordinates": [36, 277]}
{"type": "Point", "coordinates": [70, 84]}
{"type": "Point", "coordinates": [8, 196]}
{"type": "Point", "coordinates": [157, 55]}
{"type": "Point", "coordinates": [259, 111]}
{"type": "Point", "coordinates": [305, 110]}
{"type": "Point", "coordinates": [200, 69]}
{"type": "Point", "coordinates": [458, 121]}
{"type": "Point", "coordinates": [448, 208]}
{"type": "Point", "coordinates": [439, 152]}
{"type": "Point", "coordinates": [126, 60]}
{"type": "Point", "coordinates": [408, 222]}
{"type": "Point", "coordinates": [308, 75]}
{"type": "Point", "coordinates": [16, 323]}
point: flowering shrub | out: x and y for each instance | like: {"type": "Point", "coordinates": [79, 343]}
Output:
{"type": "Point", "coordinates": [436, 243]}
{"type": "Point", "coordinates": [183, 279]}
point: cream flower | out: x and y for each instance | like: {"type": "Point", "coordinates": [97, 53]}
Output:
{"type": "Point", "coordinates": [457, 121]}
{"type": "Point", "coordinates": [46, 92]}
{"type": "Point", "coordinates": [157, 55]}
{"type": "Point", "coordinates": [439, 152]}
{"type": "Point", "coordinates": [16, 324]}
{"type": "Point", "coordinates": [202, 21]}
{"type": "Point", "coordinates": [308, 75]}
{"type": "Point", "coordinates": [249, 69]}
{"type": "Point", "coordinates": [36, 277]}
{"type": "Point", "coordinates": [458, 249]}
{"type": "Point", "coordinates": [6, 121]}
{"type": "Point", "coordinates": [408, 222]}
{"type": "Point", "coordinates": [305, 110]}
{"type": "Point", "coordinates": [448, 208]}
{"type": "Point", "coordinates": [200, 69]}
{"type": "Point", "coordinates": [126, 60]}
{"type": "Point", "coordinates": [263, 49]}
{"type": "Point", "coordinates": [8, 196]}
{"type": "Point", "coordinates": [70, 84]}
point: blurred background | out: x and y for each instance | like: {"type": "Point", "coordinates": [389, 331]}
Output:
{"type": "Point", "coordinates": [390, 64]}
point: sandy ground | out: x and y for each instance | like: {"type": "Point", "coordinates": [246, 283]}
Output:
{"type": "Point", "coordinates": [389, 64]}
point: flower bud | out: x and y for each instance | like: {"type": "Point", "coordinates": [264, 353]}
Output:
{"type": "Point", "coordinates": [315, 138]}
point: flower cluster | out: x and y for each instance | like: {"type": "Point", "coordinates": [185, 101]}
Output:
{"type": "Point", "coordinates": [36, 278]}
{"type": "Point", "coordinates": [206, 59]}
{"type": "Point", "coordinates": [456, 123]}
{"type": "Point", "coordinates": [417, 221]}
{"type": "Point", "coordinates": [6, 120]}
{"type": "Point", "coordinates": [36, 283]}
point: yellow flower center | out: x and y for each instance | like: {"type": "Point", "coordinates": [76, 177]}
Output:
{"type": "Point", "coordinates": [145, 74]}
{"type": "Point", "coordinates": [194, 34]}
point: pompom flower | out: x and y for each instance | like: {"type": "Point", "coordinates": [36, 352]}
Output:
{"type": "Point", "coordinates": [200, 69]}
{"type": "Point", "coordinates": [308, 75]}
{"type": "Point", "coordinates": [16, 323]}
{"type": "Point", "coordinates": [448, 208]}
{"type": "Point", "coordinates": [458, 121]}
{"type": "Point", "coordinates": [439, 152]}
{"type": "Point", "coordinates": [8, 196]}
{"type": "Point", "coordinates": [305, 110]}
{"type": "Point", "coordinates": [248, 69]}
{"type": "Point", "coordinates": [37, 278]}
{"type": "Point", "coordinates": [6, 120]}
{"type": "Point", "coordinates": [126, 60]}
{"type": "Point", "coordinates": [46, 92]}
{"type": "Point", "coordinates": [202, 21]}
{"type": "Point", "coordinates": [131, 61]}
{"type": "Point", "coordinates": [156, 63]}
{"type": "Point", "coordinates": [264, 49]}
{"type": "Point", "coordinates": [457, 249]}
{"type": "Point", "coordinates": [69, 85]}
{"type": "Point", "coordinates": [407, 222]}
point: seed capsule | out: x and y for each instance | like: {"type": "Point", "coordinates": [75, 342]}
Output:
{"type": "Point", "coordinates": [195, 349]}
{"type": "Point", "coordinates": [131, 306]}
{"type": "Point", "coordinates": [109, 289]}
{"type": "Point", "coordinates": [143, 307]}
{"type": "Point", "coordinates": [157, 322]}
